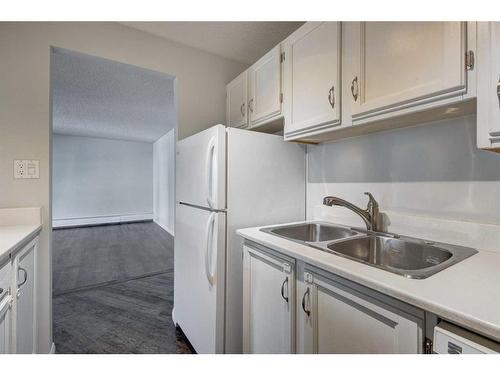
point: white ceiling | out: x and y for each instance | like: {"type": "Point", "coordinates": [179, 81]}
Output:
{"type": "Point", "coordinates": [244, 42]}
{"type": "Point", "coordinates": [96, 97]}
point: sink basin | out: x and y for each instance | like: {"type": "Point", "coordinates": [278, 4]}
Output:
{"type": "Point", "coordinates": [311, 232]}
{"type": "Point", "coordinates": [409, 257]}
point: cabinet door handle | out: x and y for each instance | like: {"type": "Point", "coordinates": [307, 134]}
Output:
{"type": "Point", "coordinates": [242, 109]}
{"type": "Point", "coordinates": [331, 96]}
{"type": "Point", "coordinates": [308, 312]}
{"type": "Point", "coordinates": [25, 277]}
{"type": "Point", "coordinates": [355, 88]}
{"type": "Point", "coordinates": [283, 289]}
{"type": "Point", "coordinates": [498, 91]}
{"type": "Point", "coordinates": [250, 105]}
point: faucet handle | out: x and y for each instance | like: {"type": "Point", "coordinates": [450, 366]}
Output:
{"type": "Point", "coordinates": [371, 201]}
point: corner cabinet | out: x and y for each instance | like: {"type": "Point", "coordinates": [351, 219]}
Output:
{"type": "Point", "coordinates": [254, 99]}
{"type": "Point", "coordinates": [293, 307]}
{"type": "Point", "coordinates": [312, 79]}
{"type": "Point", "coordinates": [488, 89]}
{"type": "Point", "coordinates": [236, 102]}
{"type": "Point", "coordinates": [268, 302]}
{"type": "Point", "coordinates": [401, 65]}
{"type": "Point", "coordinates": [339, 318]}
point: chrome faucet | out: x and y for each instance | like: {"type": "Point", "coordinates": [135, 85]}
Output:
{"type": "Point", "coordinates": [369, 216]}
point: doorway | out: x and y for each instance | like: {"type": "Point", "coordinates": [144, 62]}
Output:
{"type": "Point", "coordinates": [113, 160]}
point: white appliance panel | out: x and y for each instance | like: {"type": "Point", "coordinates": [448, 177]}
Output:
{"type": "Point", "coordinates": [199, 270]}
{"type": "Point", "coordinates": [266, 185]}
{"type": "Point", "coordinates": [201, 169]}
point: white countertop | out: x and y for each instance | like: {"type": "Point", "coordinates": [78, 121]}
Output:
{"type": "Point", "coordinates": [17, 227]}
{"type": "Point", "coordinates": [467, 293]}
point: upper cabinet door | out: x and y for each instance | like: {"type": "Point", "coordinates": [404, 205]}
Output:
{"type": "Point", "coordinates": [236, 102]}
{"type": "Point", "coordinates": [397, 65]}
{"type": "Point", "coordinates": [488, 91]}
{"type": "Point", "coordinates": [265, 87]}
{"type": "Point", "coordinates": [312, 78]}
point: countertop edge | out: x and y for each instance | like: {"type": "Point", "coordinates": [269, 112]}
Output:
{"type": "Point", "coordinates": [16, 247]}
{"type": "Point", "coordinates": [489, 330]}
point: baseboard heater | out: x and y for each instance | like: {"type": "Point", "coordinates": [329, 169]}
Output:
{"type": "Point", "coordinates": [99, 220]}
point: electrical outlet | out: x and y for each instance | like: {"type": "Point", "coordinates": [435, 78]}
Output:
{"type": "Point", "coordinates": [19, 169]}
{"type": "Point", "coordinates": [24, 169]}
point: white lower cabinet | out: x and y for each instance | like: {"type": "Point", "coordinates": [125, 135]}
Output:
{"type": "Point", "coordinates": [329, 314]}
{"type": "Point", "coordinates": [23, 310]}
{"type": "Point", "coordinates": [268, 302]}
{"type": "Point", "coordinates": [336, 318]}
{"type": "Point", "coordinates": [5, 308]}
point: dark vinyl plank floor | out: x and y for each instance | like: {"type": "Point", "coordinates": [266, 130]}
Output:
{"type": "Point", "coordinates": [129, 312]}
{"type": "Point", "coordinates": [127, 317]}
{"type": "Point", "coordinates": [88, 256]}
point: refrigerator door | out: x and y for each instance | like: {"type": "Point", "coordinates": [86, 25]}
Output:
{"type": "Point", "coordinates": [201, 169]}
{"type": "Point", "coordinates": [199, 277]}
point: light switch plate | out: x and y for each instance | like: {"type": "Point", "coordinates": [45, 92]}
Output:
{"type": "Point", "coordinates": [26, 169]}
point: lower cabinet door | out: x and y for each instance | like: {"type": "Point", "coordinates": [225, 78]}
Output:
{"type": "Point", "coordinates": [268, 303]}
{"type": "Point", "coordinates": [340, 320]}
{"type": "Point", "coordinates": [4, 325]}
{"type": "Point", "coordinates": [24, 312]}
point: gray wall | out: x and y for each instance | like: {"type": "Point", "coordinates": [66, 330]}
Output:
{"type": "Point", "coordinates": [25, 107]}
{"type": "Point", "coordinates": [432, 170]}
{"type": "Point", "coordinates": [96, 177]}
{"type": "Point", "coordinates": [164, 181]}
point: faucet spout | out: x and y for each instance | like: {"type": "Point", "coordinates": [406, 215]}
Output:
{"type": "Point", "coordinates": [369, 215]}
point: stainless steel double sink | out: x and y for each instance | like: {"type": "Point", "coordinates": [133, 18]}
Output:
{"type": "Point", "coordinates": [410, 257]}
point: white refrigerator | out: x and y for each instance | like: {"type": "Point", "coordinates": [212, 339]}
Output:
{"type": "Point", "coordinates": [226, 179]}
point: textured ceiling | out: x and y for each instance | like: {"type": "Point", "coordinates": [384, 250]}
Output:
{"type": "Point", "coordinates": [96, 97]}
{"type": "Point", "coordinates": [241, 41]}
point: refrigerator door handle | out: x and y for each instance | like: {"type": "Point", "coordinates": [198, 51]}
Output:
{"type": "Point", "coordinates": [209, 248]}
{"type": "Point", "coordinates": [209, 172]}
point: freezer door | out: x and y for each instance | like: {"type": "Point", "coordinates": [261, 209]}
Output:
{"type": "Point", "coordinates": [201, 169]}
{"type": "Point", "coordinates": [199, 272]}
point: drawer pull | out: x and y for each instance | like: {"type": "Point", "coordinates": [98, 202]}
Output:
{"type": "Point", "coordinates": [331, 96]}
{"type": "Point", "coordinates": [498, 91]}
{"type": "Point", "coordinates": [355, 88]}
{"type": "Point", "coordinates": [308, 312]}
{"type": "Point", "coordinates": [25, 277]}
{"type": "Point", "coordinates": [283, 289]}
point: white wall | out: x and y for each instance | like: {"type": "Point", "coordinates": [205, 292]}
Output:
{"type": "Point", "coordinates": [25, 107]}
{"type": "Point", "coordinates": [164, 181]}
{"type": "Point", "coordinates": [429, 171]}
{"type": "Point", "coordinates": [98, 180]}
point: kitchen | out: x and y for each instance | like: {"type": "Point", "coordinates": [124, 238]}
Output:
{"type": "Point", "coordinates": [274, 249]}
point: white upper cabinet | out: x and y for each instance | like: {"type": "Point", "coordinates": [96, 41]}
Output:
{"type": "Point", "coordinates": [312, 79]}
{"type": "Point", "coordinates": [236, 102]}
{"type": "Point", "coordinates": [264, 88]}
{"type": "Point", "coordinates": [401, 66]}
{"type": "Point", "coordinates": [268, 303]}
{"type": "Point", "coordinates": [488, 89]}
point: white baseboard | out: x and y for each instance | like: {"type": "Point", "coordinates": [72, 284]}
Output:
{"type": "Point", "coordinates": [169, 230]}
{"type": "Point", "coordinates": [52, 349]}
{"type": "Point", "coordinates": [74, 222]}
